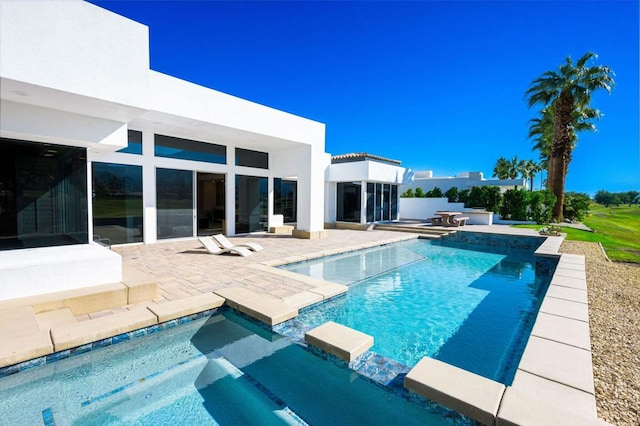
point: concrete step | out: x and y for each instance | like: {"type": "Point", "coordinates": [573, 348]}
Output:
{"type": "Point", "coordinates": [425, 231]}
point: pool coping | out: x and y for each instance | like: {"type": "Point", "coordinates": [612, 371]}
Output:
{"type": "Point", "coordinates": [555, 373]}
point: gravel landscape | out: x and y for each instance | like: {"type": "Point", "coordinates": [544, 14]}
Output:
{"type": "Point", "coordinates": [614, 320]}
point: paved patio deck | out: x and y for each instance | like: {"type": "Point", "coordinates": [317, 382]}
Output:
{"type": "Point", "coordinates": [185, 268]}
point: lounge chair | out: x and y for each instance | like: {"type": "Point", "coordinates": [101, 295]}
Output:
{"type": "Point", "coordinates": [213, 248]}
{"type": "Point", "coordinates": [223, 242]}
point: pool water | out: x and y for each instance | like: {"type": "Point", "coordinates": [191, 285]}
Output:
{"type": "Point", "coordinates": [218, 370]}
{"type": "Point", "coordinates": [468, 307]}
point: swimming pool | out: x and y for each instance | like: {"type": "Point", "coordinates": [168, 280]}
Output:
{"type": "Point", "coordinates": [469, 306]}
{"type": "Point", "coordinates": [213, 370]}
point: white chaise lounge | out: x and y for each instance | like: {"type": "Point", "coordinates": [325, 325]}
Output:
{"type": "Point", "coordinates": [213, 248]}
{"type": "Point", "coordinates": [224, 243]}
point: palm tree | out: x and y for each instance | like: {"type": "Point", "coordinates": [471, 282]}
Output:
{"type": "Point", "coordinates": [541, 130]}
{"type": "Point", "coordinates": [515, 167]}
{"type": "Point", "coordinates": [501, 169]}
{"type": "Point", "coordinates": [528, 170]}
{"type": "Point", "coordinates": [569, 91]}
{"type": "Point", "coordinates": [507, 169]}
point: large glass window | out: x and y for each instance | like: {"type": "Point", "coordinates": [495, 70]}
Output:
{"type": "Point", "coordinates": [251, 204]}
{"type": "Point", "coordinates": [43, 195]}
{"type": "Point", "coordinates": [386, 206]}
{"type": "Point", "coordinates": [117, 202]}
{"type": "Point", "coordinates": [371, 200]}
{"type": "Point", "coordinates": [348, 204]}
{"type": "Point", "coordinates": [248, 158]}
{"type": "Point", "coordinates": [134, 145]}
{"type": "Point", "coordinates": [394, 202]}
{"type": "Point", "coordinates": [382, 202]}
{"type": "Point", "coordinates": [285, 199]}
{"type": "Point", "coordinates": [174, 192]}
{"type": "Point", "coordinates": [378, 202]}
{"type": "Point", "coordinates": [185, 149]}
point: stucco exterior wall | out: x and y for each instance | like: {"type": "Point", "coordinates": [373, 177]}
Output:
{"type": "Point", "coordinates": [75, 47]}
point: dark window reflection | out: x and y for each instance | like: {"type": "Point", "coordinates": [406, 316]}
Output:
{"type": "Point", "coordinates": [285, 199]}
{"type": "Point", "coordinates": [348, 202]}
{"type": "Point", "coordinates": [185, 149]}
{"type": "Point", "coordinates": [382, 202]}
{"type": "Point", "coordinates": [174, 191]}
{"type": "Point", "coordinates": [248, 158]}
{"type": "Point", "coordinates": [43, 195]}
{"type": "Point", "coordinates": [135, 143]}
{"type": "Point", "coordinates": [371, 197]}
{"type": "Point", "coordinates": [117, 203]}
{"type": "Point", "coordinates": [394, 202]}
{"type": "Point", "coordinates": [251, 204]}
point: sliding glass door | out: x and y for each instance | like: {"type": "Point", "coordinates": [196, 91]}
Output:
{"type": "Point", "coordinates": [382, 202]}
{"type": "Point", "coordinates": [174, 203]}
{"type": "Point", "coordinates": [211, 199]}
{"type": "Point", "coordinates": [251, 204]}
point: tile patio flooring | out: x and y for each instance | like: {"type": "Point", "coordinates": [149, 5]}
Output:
{"type": "Point", "coordinates": [184, 268]}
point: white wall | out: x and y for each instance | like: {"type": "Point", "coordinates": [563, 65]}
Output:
{"type": "Point", "coordinates": [462, 183]}
{"type": "Point", "coordinates": [308, 164]}
{"type": "Point", "coordinates": [187, 100]}
{"type": "Point", "coordinates": [371, 171]}
{"type": "Point", "coordinates": [424, 208]}
{"type": "Point", "coordinates": [75, 47]}
{"type": "Point", "coordinates": [38, 124]}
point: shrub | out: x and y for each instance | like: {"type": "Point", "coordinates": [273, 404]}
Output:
{"type": "Point", "coordinates": [434, 193]}
{"type": "Point", "coordinates": [514, 204]}
{"type": "Point", "coordinates": [576, 205]}
{"type": "Point", "coordinates": [488, 197]}
{"type": "Point", "coordinates": [408, 194]}
{"type": "Point", "coordinates": [419, 193]}
{"type": "Point", "coordinates": [540, 206]}
{"type": "Point", "coordinates": [463, 197]}
{"type": "Point", "coordinates": [452, 194]}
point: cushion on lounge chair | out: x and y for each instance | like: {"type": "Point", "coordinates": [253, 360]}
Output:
{"type": "Point", "coordinates": [223, 242]}
{"type": "Point", "coordinates": [213, 248]}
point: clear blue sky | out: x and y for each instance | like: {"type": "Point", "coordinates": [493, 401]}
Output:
{"type": "Point", "coordinates": [438, 85]}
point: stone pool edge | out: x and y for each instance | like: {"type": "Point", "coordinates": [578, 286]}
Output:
{"type": "Point", "coordinates": [554, 379]}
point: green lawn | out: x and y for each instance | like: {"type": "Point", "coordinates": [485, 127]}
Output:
{"type": "Point", "coordinates": [616, 228]}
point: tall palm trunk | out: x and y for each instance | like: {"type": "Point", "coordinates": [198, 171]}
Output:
{"type": "Point", "coordinates": [549, 170]}
{"type": "Point", "coordinates": [561, 150]}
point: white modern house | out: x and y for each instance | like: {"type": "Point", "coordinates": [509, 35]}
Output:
{"type": "Point", "coordinates": [467, 180]}
{"type": "Point", "coordinates": [96, 145]}
{"type": "Point", "coordinates": [363, 188]}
